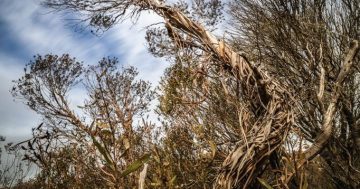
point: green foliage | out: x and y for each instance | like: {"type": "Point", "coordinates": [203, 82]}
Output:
{"type": "Point", "coordinates": [264, 183]}
{"type": "Point", "coordinates": [104, 152]}
{"type": "Point", "coordinates": [134, 166]}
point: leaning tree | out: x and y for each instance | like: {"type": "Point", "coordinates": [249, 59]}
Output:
{"type": "Point", "coordinates": [296, 59]}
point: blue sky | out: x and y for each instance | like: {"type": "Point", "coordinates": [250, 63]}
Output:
{"type": "Point", "coordinates": [27, 29]}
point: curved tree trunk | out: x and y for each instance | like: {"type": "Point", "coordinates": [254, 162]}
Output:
{"type": "Point", "coordinates": [327, 126]}
{"type": "Point", "coordinates": [273, 100]}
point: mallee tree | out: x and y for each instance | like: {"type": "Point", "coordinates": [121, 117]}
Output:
{"type": "Point", "coordinates": [274, 115]}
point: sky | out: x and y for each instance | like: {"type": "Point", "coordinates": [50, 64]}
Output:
{"type": "Point", "coordinates": [27, 29]}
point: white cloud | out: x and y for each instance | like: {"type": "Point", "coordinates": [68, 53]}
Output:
{"type": "Point", "coordinates": [42, 32]}
{"type": "Point", "coordinates": [132, 44]}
